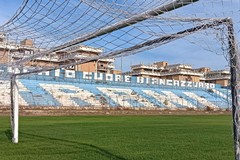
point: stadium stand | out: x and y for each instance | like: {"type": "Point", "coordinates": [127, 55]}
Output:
{"type": "Point", "coordinates": [4, 92]}
{"type": "Point", "coordinates": [46, 91]}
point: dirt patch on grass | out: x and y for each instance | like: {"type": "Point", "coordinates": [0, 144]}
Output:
{"type": "Point", "coordinates": [77, 111]}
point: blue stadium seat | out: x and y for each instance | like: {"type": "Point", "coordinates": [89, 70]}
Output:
{"type": "Point", "coordinates": [50, 92]}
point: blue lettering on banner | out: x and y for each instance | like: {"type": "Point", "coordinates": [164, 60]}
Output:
{"type": "Point", "coordinates": [78, 75]}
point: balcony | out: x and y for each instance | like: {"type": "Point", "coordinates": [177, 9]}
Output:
{"type": "Point", "coordinates": [13, 46]}
{"type": "Point", "coordinates": [83, 48]}
{"type": "Point", "coordinates": [106, 60]}
{"type": "Point", "coordinates": [219, 72]}
{"type": "Point", "coordinates": [142, 66]}
{"type": "Point", "coordinates": [218, 77]}
{"type": "Point", "coordinates": [185, 66]}
{"type": "Point", "coordinates": [136, 73]}
{"type": "Point", "coordinates": [71, 56]}
{"type": "Point", "coordinates": [183, 72]}
{"type": "Point", "coordinates": [49, 59]}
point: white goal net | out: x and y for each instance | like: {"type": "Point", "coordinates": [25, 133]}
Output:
{"type": "Point", "coordinates": [116, 28]}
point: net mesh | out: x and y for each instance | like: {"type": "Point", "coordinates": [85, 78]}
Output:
{"type": "Point", "coordinates": [118, 28]}
{"type": "Point", "coordinates": [112, 26]}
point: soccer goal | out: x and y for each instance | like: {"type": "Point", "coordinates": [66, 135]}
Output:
{"type": "Point", "coordinates": [118, 29]}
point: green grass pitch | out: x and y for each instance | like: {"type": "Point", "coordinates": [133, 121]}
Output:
{"type": "Point", "coordinates": [207, 137]}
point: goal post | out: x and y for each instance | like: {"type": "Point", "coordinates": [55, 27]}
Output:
{"type": "Point", "coordinates": [14, 111]}
{"type": "Point", "coordinates": [234, 69]}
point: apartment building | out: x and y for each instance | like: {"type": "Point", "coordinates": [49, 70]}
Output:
{"type": "Point", "coordinates": [10, 52]}
{"type": "Point", "coordinates": [182, 72]}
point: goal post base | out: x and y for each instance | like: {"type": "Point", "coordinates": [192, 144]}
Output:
{"type": "Point", "coordinates": [15, 140]}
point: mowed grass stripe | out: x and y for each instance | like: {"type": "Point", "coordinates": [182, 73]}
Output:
{"type": "Point", "coordinates": [207, 137]}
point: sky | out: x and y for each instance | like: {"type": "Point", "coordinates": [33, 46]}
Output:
{"type": "Point", "coordinates": [7, 9]}
{"type": "Point", "coordinates": [179, 51]}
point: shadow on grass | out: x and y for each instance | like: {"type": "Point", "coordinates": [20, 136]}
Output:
{"type": "Point", "coordinates": [8, 133]}
{"type": "Point", "coordinates": [83, 146]}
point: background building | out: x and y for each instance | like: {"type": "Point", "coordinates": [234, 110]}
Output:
{"type": "Point", "coordinates": [10, 52]}
{"type": "Point", "coordinates": [183, 72]}
{"type": "Point", "coordinates": [221, 77]}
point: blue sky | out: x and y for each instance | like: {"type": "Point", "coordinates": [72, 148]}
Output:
{"type": "Point", "coordinates": [8, 8]}
{"type": "Point", "coordinates": [179, 51]}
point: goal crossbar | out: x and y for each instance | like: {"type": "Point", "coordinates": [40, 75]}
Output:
{"type": "Point", "coordinates": [139, 47]}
